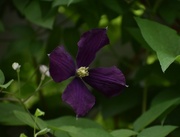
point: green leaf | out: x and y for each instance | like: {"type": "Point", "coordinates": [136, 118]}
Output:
{"type": "Point", "coordinates": [113, 5]}
{"type": "Point", "coordinates": [162, 39]}
{"type": "Point", "coordinates": [157, 131]}
{"type": "Point", "coordinates": [123, 133]}
{"type": "Point", "coordinates": [64, 2]}
{"type": "Point", "coordinates": [7, 116]}
{"type": "Point", "coordinates": [7, 84]}
{"type": "Point", "coordinates": [42, 132]}
{"type": "Point", "coordinates": [33, 12]}
{"type": "Point", "coordinates": [2, 78]}
{"type": "Point", "coordinates": [23, 135]}
{"type": "Point", "coordinates": [72, 121]}
{"type": "Point", "coordinates": [20, 5]}
{"type": "Point", "coordinates": [36, 17]}
{"type": "Point", "coordinates": [165, 96]}
{"type": "Point", "coordinates": [39, 113]}
{"type": "Point", "coordinates": [153, 113]}
{"type": "Point", "coordinates": [94, 132]}
{"type": "Point", "coordinates": [70, 129]}
{"type": "Point", "coordinates": [30, 120]}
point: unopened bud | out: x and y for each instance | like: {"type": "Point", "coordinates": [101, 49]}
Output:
{"type": "Point", "coordinates": [16, 66]}
{"type": "Point", "coordinates": [44, 70]}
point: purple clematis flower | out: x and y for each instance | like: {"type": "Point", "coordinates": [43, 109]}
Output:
{"type": "Point", "coordinates": [110, 81]}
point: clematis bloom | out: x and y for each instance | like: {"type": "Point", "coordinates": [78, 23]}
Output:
{"type": "Point", "coordinates": [109, 81]}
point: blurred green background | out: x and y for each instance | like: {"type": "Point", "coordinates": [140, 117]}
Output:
{"type": "Point", "coordinates": [31, 29]}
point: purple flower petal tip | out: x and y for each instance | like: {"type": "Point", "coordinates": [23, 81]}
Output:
{"type": "Point", "coordinates": [61, 65]}
{"type": "Point", "coordinates": [78, 97]}
{"type": "Point", "coordinates": [89, 44]}
{"type": "Point", "coordinates": [109, 81]}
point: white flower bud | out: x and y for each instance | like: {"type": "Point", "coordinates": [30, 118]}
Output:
{"type": "Point", "coordinates": [16, 66]}
{"type": "Point", "coordinates": [44, 70]}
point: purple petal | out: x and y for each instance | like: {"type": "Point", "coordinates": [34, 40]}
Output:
{"type": "Point", "coordinates": [89, 43]}
{"type": "Point", "coordinates": [109, 81]}
{"type": "Point", "coordinates": [78, 97]}
{"type": "Point", "coordinates": [61, 65]}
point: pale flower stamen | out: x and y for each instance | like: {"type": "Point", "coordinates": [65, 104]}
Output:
{"type": "Point", "coordinates": [82, 72]}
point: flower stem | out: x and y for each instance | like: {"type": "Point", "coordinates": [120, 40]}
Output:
{"type": "Point", "coordinates": [19, 82]}
{"type": "Point", "coordinates": [37, 89]}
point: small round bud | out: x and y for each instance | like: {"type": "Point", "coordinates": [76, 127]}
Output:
{"type": "Point", "coordinates": [44, 70]}
{"type": "Point", "coordinates": [16, 66]}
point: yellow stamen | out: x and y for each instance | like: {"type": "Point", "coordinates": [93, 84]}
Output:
{"type": "Point", "coordinates": [82, 72]}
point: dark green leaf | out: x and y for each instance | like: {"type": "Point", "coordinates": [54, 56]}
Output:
{"type": "Point", "coordinates": [119, 104]}
{"type": "Point", "coordinates": [123, 133]}
{"type": "Point", "coordinates": [113, 5]}
{"type": "Point", "coordinates": [7, 116]}
{"type": "Point", "coordinates": [157, 131]}
{"type": "Point", "coordinates": [153, 113]}
{"type": "Point", "coordinates": [20, 5]}
{"type": "Point", "coordinates": [64, 2]}
{"type": "Point", "coordinates": [164, 96]}
{"type": "Point", "coordinates": [162, 39]}
{"type": "Point", "coordinates": [36, 17]}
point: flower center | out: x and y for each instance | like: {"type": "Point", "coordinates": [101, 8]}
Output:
{"type": "Point", "coordinates": [82, 72]}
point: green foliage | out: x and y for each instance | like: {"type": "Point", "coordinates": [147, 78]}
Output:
{"type": "Point", "coordinates": [30, 120]}
{"type": "Point", "coordinates": [7, 115]}
{"type": "Point", "coordinates": [153, 113]}
{"type": "Point", "coordinates": [144, 44]}
{"type": "Point", "coordinates": [64, 2]}
{"type": "Point", "coordinates": [157, 131]}
{"type": "Point", "coordinates": [123, 133]}
{"type": "Point", "coordinates": [71, 121]}
{"type": "Point", "coordinates": [23, 135]}
{"type": "Point", "coordinates": [163, 40]}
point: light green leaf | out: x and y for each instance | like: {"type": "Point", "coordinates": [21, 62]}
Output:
{"type": "Point", "coordinates": [157, 131]}
{"type": "Point", "coordinates": [2, 78]}
{"type": "Point", "coordinates": [64, 2]}
{"type": "Point", "coordinates": [42, 132]}
{"type": "Point", "coordinates": [123, 133]}
{"type": "Point", "coordinates": [23, 135]}
{"type": "Point", "coordinates": [162, 39]}
{"type": "Point", "coordinates": [30, 120]}
{"type": "Point", "coordinates": [153, 113]}
{"type": "Point", "coordinates": [39, 113]}
{"type": "Point", "coordinates": [7, 84]}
